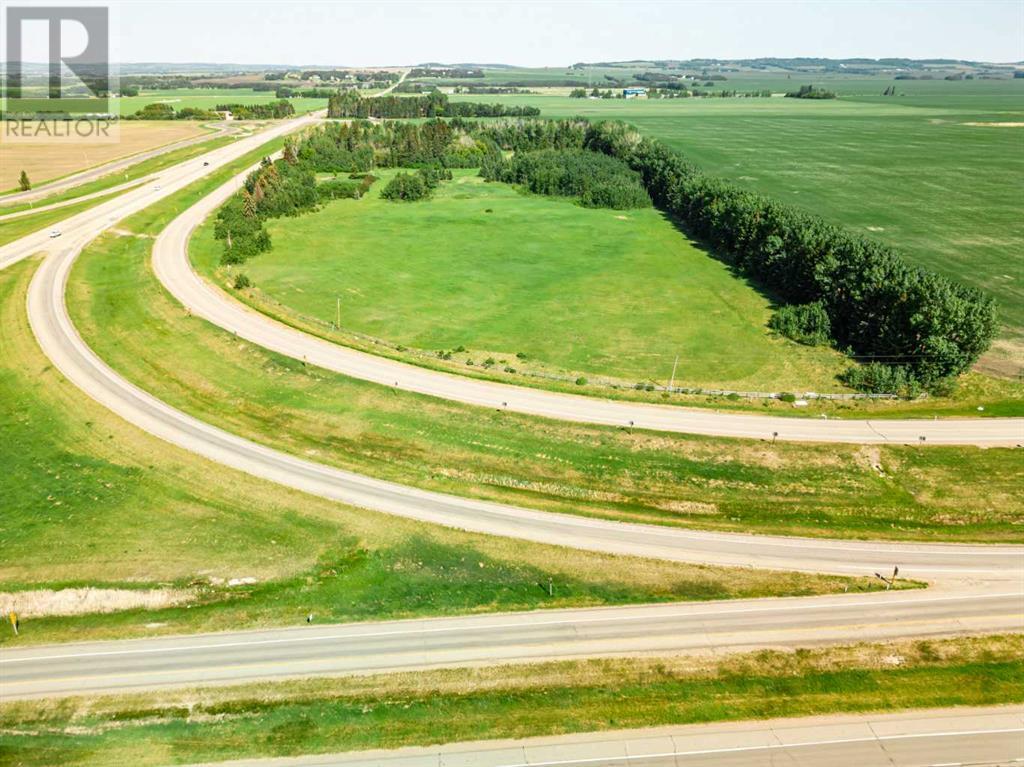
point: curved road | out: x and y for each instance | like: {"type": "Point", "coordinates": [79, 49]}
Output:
{"type": "Point", "coordinates": [981, 588]}
{"type": "Point", "coordinates": [172, 266]}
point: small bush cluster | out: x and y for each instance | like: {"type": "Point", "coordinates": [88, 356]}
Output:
{"type": "Point", "coordinates": [408, 187]}
{"type": "Point", "coordinates": [804, 323]}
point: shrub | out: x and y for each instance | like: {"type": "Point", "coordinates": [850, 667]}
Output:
{"type": "Point", "coordinates": [876, 378]}
{"type": "Point", "coordinates": [581, 381]}
{"type": "Point", "coordinates": [242, 281]}
{"type": "Point", "coordinates": [406, 187]}
{"type": "Point", "coordinates": [787, 397]}
{"type": "Point", "coordinates": [804, 323]}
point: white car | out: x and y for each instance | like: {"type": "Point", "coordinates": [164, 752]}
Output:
{"type": "Point", "coordinates": [157, 188]}
{"type": "Point", "coordinates": [54, 233]}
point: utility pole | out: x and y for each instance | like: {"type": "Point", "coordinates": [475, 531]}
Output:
{"type": "Point", "coordinates": [338, 314]}
{"type": "Point", "coordinates": [672, 380]}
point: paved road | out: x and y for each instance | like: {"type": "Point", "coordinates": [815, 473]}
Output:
{"type": "Point", "coordinates": [170, 261]}
{"type": "Point", "coordinates": [976, 736]}
{"type": "Point", "coordinates": [980, 586]}
{"type": "Point", "coordinates": [74, 200]}
{"type": "Point", "coordinates": [83, 227]}
{"type": "Point", "coordinates": [90, 174]}
{"type": "Point", "coordinates": [694, 628]}
{"type": "Point", "coordinates": [991, 574]}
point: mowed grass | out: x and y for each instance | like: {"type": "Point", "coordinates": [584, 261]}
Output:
{"type": "Point", "coordinates": [908, 170]}
{"type": "Point", "coordinates": [89, 500]}
{"type": "Point", "coordinates": [59, 158]}
{"type": "Point", "coordinates": [17, 228]}
{"type": "Point", "coordinates": [591, 292]}
{"type": "Point", "coordinates": [321, 716]}
{"type": "Point", "coordinates": [827, 490]}
{"type": "Point", "coordinates": [209, 98]}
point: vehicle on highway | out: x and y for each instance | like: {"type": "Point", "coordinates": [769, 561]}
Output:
{"type": "Point", "coordinates": [54, 233]}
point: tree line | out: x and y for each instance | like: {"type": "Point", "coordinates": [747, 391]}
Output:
{"type": "Point", "coordinates": [434, 104]}
{"type": "Point", "coordinates": [596, 180]}
{"type": "Point", "coordinates": [911, 326]}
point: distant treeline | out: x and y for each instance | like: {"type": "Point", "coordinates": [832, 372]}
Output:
{"type": "Point", "coordinates": [810, 92]}
{"type": "Point", "coordinates": [445, 72]}
{"type": "Point", "coordinates": [435, 104]}
{"type": "Point", "coordinates": [272, 110]}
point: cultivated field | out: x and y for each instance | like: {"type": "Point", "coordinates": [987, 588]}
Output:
{"type": "Point", "coordinates": [929, 172]}
{"type": "Point", "coordinates": [208, 98]}
{"type": "Point", "coordinates": [44, 162]}
{"type": "Point", "coordinates": [487, 268]}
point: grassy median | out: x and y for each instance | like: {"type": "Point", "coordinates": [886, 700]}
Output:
{"type": "Point", "coordinates": [90, 501]}
{"type": "Point", "coordinates": [948, 493]}
{"type": "Point", "coordinates": [419, 709]}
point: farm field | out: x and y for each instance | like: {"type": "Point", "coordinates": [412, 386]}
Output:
{"type": "Point", "coordinates": [208, 98]}
{"type": "Point", "coordinates": [831, 490]}
{"type": "Point", "coordinates": [911, 170]}
{"type": "Point", "coordinates": [627, 291]}
{"type": "Point", "coordinates": [45, 162]}
{"type": "Point", "coordinates": [114, 508]}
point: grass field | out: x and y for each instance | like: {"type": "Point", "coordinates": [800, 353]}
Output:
{"type": "Point", "coordinates": [485, 267]}
{"type": "Point", "coordinates": [426, 708]}
{"type": "Point", "coordinates": [910, 170]}
{"type": "Point", "coordinates": [208, 98]}
{"type": "Point", "coordinates": [56, 159]}
{"type": "Point", "coordinates": [92, 501]}
{"type": "Point", "coordinates": [834, 490]}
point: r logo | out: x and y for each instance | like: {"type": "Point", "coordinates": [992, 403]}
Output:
{"type": "Point", "coordinates": [91, 64]}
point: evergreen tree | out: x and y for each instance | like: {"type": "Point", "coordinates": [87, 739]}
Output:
{"type": "Point", "coordinates": [23, 183]}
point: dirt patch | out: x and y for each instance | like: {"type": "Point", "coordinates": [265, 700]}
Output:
{"type": "Point", "coordinates": [689, 508]}
{"type": "Point", "coordinates": [88, 600]}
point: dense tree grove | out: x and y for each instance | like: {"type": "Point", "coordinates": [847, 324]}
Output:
{"type": "Point", "coordinates": [878, 307]}
{"type": "Point", "coordinates": [596, 180]}
{"type": "Point", "coordinates": [272, 110]}
{"type": "Point", "coordinates": [810, 92]}
{"type": "Point", "coordinates": [434, 104]}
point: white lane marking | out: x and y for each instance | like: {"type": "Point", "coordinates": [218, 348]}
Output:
{"type": "Point", "coordinates": [771, 746]}
{"type": "Point", "coordinates": [500, 626]}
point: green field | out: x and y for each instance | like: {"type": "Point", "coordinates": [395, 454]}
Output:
{"type": "Point", "coordinates": [208, 98]}
{"type": "Point", "coordinates": [590, 292]}
{"type": "Point", "coordinates": [832, 490]}
{"type": "Point", "coordinates": [454, 705]}
{"type": "Point", "coordinates": [909, 169]}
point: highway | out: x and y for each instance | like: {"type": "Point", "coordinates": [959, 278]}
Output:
{"type": "Point", "coordinates": [91, 174]}
{"type": "Point", "coordinates": [173, 268]}
{"type": "Point", "coordinates": [378, 647]}
{"type": "Point", "coordinates": [978, 588]}
{"type": "Point", "coordinates": [976, 736]}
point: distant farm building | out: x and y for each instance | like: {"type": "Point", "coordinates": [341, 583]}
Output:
{"type": "Point", "coordinates": [633, 93]}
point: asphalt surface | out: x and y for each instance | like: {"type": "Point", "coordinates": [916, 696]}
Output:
{"type": "Point", "coordinates": [692, 628]}
{"type": "Point", "coordinates": [172, 266]}
{"type": "Point", "coordinates": [975, 736]}
{"type": "Point", "coordinates": [979, 587]}
{"type": "Point", "coordinates": [91, 174]}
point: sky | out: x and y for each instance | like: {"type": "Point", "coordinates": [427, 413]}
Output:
{"type": "Point", "coordinates": [558, 33]}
